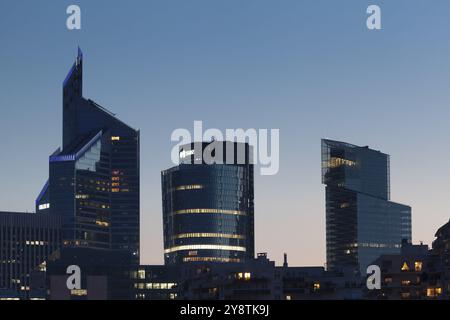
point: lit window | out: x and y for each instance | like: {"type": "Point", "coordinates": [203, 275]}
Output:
{"type": "Point", "coordinates": [433, 292]}
{"type": "Point", "coordinates": [244, 276]}
{"type": "Point", "coordinates": [336, 162]}
{"type": "Point", "coordinates": [418, 266]}
{"type": "Point", "coordinates": [405, 266]}
{"type": "Point", "coordinates": [44, 206]}
{"type": "Point", "coordinates": [205, 247]}
{"type": "Point", "coordinates": [316, 286]}
{"type": "Point", "coordinates": [406, 282]}
{"type": "Point", "coordinates": [189, 187]}
{"type": "Point", "coordinates": [115, 138]}
{"type": "Point", "coordinates": [288, 298]}
{"type": "Point", "coordinates": [141, 274]}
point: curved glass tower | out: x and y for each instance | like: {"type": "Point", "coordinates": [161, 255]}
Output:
{"type": "Point", "coordinates": [208, 210]}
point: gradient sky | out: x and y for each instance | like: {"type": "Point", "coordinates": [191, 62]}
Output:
{"type": "Point", "coordinates": [309, 68]}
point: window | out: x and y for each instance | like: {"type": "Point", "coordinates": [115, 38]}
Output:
{"type": "Point", "coordinates": [433, 292]}
{"type": "Point", "coordinates": [405, 266]}
{"type": "Point", "coordinates": [316, 286]}
{"type": "Point", "coordinates": [141, 274]}
{"type": "Point", "coordinates": [418, 266]}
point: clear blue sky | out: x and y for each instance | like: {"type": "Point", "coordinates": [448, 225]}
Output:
{"type": "Point", "coordinates": [309, 68]}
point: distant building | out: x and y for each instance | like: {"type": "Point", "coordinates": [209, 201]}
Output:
{"type": "Point", "coordinates": [104, 274]}
{"type": "Point", "coordinates": [156, 282]}
{"type": "Point", "coordinates": [361, 221]}
{"type": "Point", "coordinates": [260, 279]}
{"type": "Point", "coordinates": [26, 242]}
{"type": "Point", "coordinates": [416, 272]}
{"type": "Point", "coordinates": [94, 178]}
{"type": "Point", "coordinates": [208, 209]}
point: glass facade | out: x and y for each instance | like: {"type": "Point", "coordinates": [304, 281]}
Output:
{"type": "Point", "coordinates": [94, 178]}
{"type": "Point", "coordinates": [208, 211]}
{"type": "Point", "coordinates": [361, 221]}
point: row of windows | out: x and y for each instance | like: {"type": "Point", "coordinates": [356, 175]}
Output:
{"type": "Point", "coordinates": [223, 211]}
{"type": "Point", "coordinates": [207, 235]}
{"type": "Point", "coordinates": [211, 259]}
{"type": "Point", "coordinates": [204, 247]}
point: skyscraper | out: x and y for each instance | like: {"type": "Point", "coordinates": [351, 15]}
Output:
{"type": "Point", "coordinates": [361, 221]}
{"type": "Point", "coordinates": [208, 210]}
{"type": "Point", "coordinates": [94, 178]}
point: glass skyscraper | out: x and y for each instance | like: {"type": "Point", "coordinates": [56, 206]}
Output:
{"type": "Point", "coordinates": [208, 210]}
{"type": "Point", "coordinates": [361, 221]}
{"type": "Point", "coordinates": [94, 178]}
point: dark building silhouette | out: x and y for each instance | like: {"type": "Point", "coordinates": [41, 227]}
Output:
{"type": "Point", "coordinates": [104, 274]}
{"type": "Point", "coordinates": [94, 178]}
{"type": "Point", "coordinates": [26, 241]}
{"type": "Point", "coordinates": [416, 273]}
{"type": "Point", "coordinates": [208, 210]}
{"type": "Point", "coordinates": [361, 222]}
{"type": "Point", "coordinates": [256, 279]}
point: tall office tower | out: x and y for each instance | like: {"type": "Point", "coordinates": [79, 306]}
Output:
{"type": "Point", "coordinates": [208, 210]}
{"type": "Point", "coordinates": [361, 222]}
{"type": "Point", "coordinates": [94, 177]}
{"type": "Point", "coordinates": [26, 242]}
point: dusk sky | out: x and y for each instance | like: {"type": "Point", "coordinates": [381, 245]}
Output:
{"type": "Point", "coordinates": [309, 68]}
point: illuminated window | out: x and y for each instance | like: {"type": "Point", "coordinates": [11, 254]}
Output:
{"type": "Point", "coordinates": [406, 282]}
{"type": "Point", "coordinates": [288, 298]}
{"type": "Point", "coordinates": [205, 247]}
{"type": "Point", "coordinates": [222, 211]}
{"type": "Point", "coordinates": [316, 286]}
{"type": "Point", "coordinates": [141, 274]}
{"type": "Point", "coordinates": [433, 292]}
{"type": "Point", "coordinates": [405, 266]}
{"type": "Point", "coordinates": [336, 162]}
{"type": "Point", "coordinates": [44, 206]}
{"type": "Point", "coordinates": [244, 276]}
{"type": "Point", "coordinates": [418, 266]}
{"type": "Point", "coordinates": [211, 259]}
{"type": "Point", "coordinates": [115, 190]}
{"type": "Point", "coordinates": [208, 235]}
{"type": "Point", "coordinates": [388, 280]}
{"type": "Point", "coordinates": [115, 138]}
{"type": "Point", "coordinates": [102, 223]}
{"type": "Point", "coordinates": [189, 187]}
